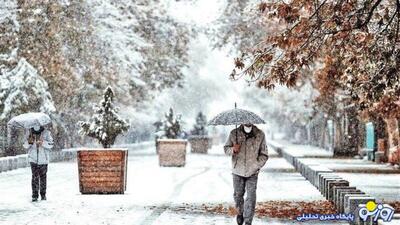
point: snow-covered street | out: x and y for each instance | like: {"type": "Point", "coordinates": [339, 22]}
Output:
{"type": "Point", "coordinates": [152, 192]}
{"type": "Point", "coordinates": [154, 100]}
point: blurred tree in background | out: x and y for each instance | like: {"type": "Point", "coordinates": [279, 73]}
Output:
{"type": "Point", "coordinates": [200, 127]}
{"type": "Point", "coordinates": [172, 125]}
{"type": "Point", "coordinates": [81, 47]}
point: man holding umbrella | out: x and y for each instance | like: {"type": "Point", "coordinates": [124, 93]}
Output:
{"type": "Point", "coordinates": [247, 147]}
{"type": "Point", "coordinates": [38, 142]}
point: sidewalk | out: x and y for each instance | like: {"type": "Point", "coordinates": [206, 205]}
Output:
{"type": "Point", "coordinates": [378, 180]}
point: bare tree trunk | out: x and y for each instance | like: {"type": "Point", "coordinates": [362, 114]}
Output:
{"type": "Point", "coordinates": [380, 129]}
{"type": "Point", "coordinates": [322, 132]}
{"type": "Point", "coordinates": [338, 147]}
{"type": "Point", "coordinates": [352, 138]}
{"type": "Point", "coordinates": [381, 132]}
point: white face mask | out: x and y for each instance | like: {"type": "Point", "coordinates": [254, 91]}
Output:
{"type": "Point", "coordinates": [248, 129]}
{"type": "Point", "coordinates": [36, 128]}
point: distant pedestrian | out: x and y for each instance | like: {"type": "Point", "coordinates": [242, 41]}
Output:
{"type": "Point", "coordinates": [247, 146]}
{"type": "Point", "coordinates": [38, 142]}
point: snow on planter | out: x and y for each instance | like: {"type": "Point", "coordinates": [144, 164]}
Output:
{"type": "Point", "coordinates": [102, 171]}
{"type": "Point", "coordinates": [172, 152]}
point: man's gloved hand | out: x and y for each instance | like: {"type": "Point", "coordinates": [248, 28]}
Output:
{"type": "Point", "coordinates": [30, 140]}
{"type": "Point", "coordinates": [39, 142]}
{"type": "Point", "coordinates": [236, 148]}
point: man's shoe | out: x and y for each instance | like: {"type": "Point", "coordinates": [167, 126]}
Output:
{"type": "Point", "coordinates": [44, 198]}
{"type": "Point", "coordinates": [34, 199]}
{"type": "Point", "coordinates": [239, 219]}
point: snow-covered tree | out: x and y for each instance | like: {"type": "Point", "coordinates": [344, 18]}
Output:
{"type": "Point", "coordinates": [200, 127]}
{"type": "Point", "coordinates": [134, 46]}
{"type": "Point", "coordinates": [105, 125]}
{"type": "Point", "coordinates": [172, 125]}
{"type": "Point", "coordinates": [22, 90]}
{"type": "Point", "coordinates": [137, 44]}
{"type": "Point", "coordinates": [144, 45]}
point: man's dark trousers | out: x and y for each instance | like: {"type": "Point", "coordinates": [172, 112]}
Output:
{"type": "Point", "coordinates": [248, 185]}
{"type": "Point", "coordinates": [39, 180]}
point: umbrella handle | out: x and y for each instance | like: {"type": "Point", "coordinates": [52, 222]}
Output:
{"type": "Point", "coordinates": [236, 134]}
{"type": "Point", "coordinates": [236, 125]}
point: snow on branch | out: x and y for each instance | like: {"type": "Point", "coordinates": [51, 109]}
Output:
{"type": "Point", "coordinates": [22, 89]}
{"type": "Point", "coordinates": [105, 124]}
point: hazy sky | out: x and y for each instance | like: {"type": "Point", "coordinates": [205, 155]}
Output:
{"type": "Point", "coordinates": [200, 12]}
{"type": "Point", "coordinates": [207, 84]}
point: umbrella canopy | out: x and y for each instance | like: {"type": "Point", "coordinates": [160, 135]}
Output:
{"type": "Point", "coordinates": [29, 120]}
{"type": "Point", "coordinates": [235, 117]}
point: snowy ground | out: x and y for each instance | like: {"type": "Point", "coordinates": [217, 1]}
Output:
{"type": "Point", "coordinates": [151, 191]}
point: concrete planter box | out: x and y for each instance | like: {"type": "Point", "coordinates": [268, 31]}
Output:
{"type": "Point", "coordinates": [172, 152]}
{"type": "Point", "coordinates": [199, 144]}
{"type": "Point", "coordinates": [102, 171]}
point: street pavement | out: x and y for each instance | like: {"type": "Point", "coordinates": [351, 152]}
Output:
{"type": "Point", "coordinates": [152, 192]}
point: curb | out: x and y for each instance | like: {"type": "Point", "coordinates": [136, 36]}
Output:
{"type": "Point", "coordinates": [334, 188]}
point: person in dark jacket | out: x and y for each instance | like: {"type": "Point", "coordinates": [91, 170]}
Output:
{"type": "Point", "coordinates": [38, 142]}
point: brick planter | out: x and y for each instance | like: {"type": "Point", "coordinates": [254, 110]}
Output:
{"type": "Point", "coordinates": [102, 171]}
{"type": "Point", "coordinates": [172, 152]}
{"type": "Point", "coordinates": [199, 144]}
